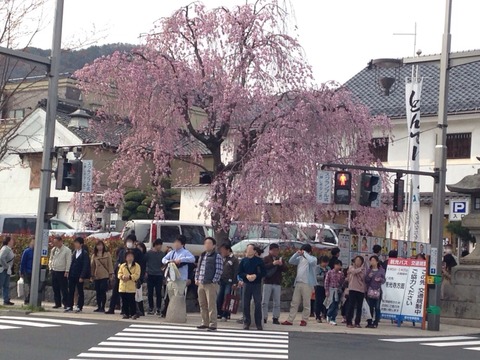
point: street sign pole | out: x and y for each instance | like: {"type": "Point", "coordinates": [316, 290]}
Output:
{"type": "Point", "coordinates": [39, 274]}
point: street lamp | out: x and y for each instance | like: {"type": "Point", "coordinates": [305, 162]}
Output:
{"type": "Point", "coordinates": [446, 61]}
{"type": "Point", "coordinates": [383, 71]}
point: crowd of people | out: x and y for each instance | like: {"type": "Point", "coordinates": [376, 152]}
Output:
{"type": "Point", "coordinates": [322, 286]}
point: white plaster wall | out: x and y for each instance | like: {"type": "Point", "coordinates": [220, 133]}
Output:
{"type": "Point", "coordinates": [190, 200]}
{"type": "Point", "coordinates": [456, 169]}
{"type": "Point", "coordinates": [15, 194]}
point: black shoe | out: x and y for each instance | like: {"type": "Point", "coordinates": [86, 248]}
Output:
{"type": "Point", "coordinates": [8, 303]}
{"type": "Point", "coordinates": [246, 327]}
{"type": "Point", "coordinates": [211, 328]}
{"type": "Point", "coordinates": [260, 328]}
{"type": "Point", "coordinates": [276, 322]}
{"type": "Point", "coordinates": [201, 327]}
{"type": "Point", "coordinates": [219, 317]}
{"type": "Point", "coordinates": [126, 317]}
{"type": "Point", "coordinates": [68, 309]}
{"type": "Point", "coordinates": [98, 310]}
{"type": "Point", "coordinates": [110, 311]}
{"type": "Point", "coordinates": [158, 313]}
{"type": "Point", "coordinates": [56, 307]}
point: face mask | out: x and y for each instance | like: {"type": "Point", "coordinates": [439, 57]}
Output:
{"type": "Point", "coordinates": [129, 245]}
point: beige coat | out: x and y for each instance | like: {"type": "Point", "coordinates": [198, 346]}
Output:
{"type": "Point", "coordinates": [128, 286]}
{"type": "Point", "coordinates": [102, 266]}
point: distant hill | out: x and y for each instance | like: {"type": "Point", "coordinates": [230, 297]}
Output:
{"type": "Point", "coordinates": [70, 61]}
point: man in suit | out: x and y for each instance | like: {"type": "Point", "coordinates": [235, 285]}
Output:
{"type": "Point", "coordinates": [79, 271]}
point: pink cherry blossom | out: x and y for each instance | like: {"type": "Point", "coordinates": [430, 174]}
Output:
{"type": "Point", "coordinates": [259, 102]}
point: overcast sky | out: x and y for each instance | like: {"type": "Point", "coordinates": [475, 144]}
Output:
{"type": "Point", "coordinates": [339, 36]}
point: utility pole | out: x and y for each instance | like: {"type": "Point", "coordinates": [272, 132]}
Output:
{"type": "Point", "coordinates": [52, 64]}
{"type": "Point", "coordinates": [41, 231]}
{"type": "Point", "coordinates": [447, 61]}
{"type": "Point", "coordinates": [438, 210]}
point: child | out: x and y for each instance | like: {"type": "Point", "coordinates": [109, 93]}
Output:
{"type": "Point", "coordinates": [320, 309]}
{"type": "Point", "coordinates": [333, 288]}
{"type": "Point", "coordinates": [128, 274]}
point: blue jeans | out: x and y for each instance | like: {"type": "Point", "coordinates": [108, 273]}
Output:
{"type": "Point", "coordinates": [332, 311]}
{"type": "Point", "coordinates": [5, 285]}
{"type": "Point", "coordinates": [223, 291]}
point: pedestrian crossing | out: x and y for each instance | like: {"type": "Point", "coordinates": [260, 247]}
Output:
{"type": "Point", "coordinates": [18, 322]}
{"type": "Point", "coordinates": [465, 342]}
{"type": "Point", "coordinates": [164, 342]}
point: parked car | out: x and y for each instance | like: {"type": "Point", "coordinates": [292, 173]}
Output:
{"type": "Point", "coordinates": [320, 233]}
{"type": "Point", "coordinates": [256, 230]}
{"type": "Point", "coordinates": [114, 235]}
{"type": "Point", "coordinates": [147, 231]}
{"type": "Point", "coordinates": [26, 224]}
{"type": "Point", "coordinates": [239, 248]}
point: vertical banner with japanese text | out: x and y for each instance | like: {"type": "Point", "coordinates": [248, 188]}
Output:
{"type": "Point", "coordinates": [413, 90]}
{"type": "Point", "coordinates": [404, 294]}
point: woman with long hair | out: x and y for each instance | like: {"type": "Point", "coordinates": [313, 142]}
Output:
{"type": "Point", "coordinates": [102, 273]}
{"type": "Point", "coordinates": [374, 279]}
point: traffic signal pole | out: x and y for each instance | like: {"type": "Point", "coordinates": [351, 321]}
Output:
{"type": "Point", "coordinates": [399, 172]}
{"type": "Point", "coordinates": [41, 231]}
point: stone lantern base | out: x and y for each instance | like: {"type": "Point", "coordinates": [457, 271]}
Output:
{"type": "Point", "coordinates": [461, 295]}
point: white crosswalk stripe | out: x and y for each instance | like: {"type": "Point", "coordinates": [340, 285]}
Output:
{"type": "Point", "coordinates": [158, 342]}
{"type": "Point", "coordinates": [18, 322]}
{"type": "Point", "coordinates": [466, 342]}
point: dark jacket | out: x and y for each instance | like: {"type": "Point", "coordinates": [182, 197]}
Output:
{"type": "Point", "coordinates": [250, 266]}
{"type": "Point", "coordinates": [80, 267]}
{"type": "Point", "coordinates": [276, 278]}
{"type": "Point", "coordinates": [230, 269]}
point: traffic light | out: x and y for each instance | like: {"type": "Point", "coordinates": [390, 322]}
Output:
{"type": "Point", "coordinates": [60, 174]}
{"type": "Point", "coordinates": [343, 188]}
{"type": "Point", "coordinates": [73, 171]}
{"type": "Point", "coordinates": [398, 195]}
{"type": "Point", "coordinates": [368, 191]}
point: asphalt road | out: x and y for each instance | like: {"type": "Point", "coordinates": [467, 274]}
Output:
{"type": "Point", "coordinates": [48, 338]}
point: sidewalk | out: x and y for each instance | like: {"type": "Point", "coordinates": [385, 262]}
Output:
{"type": "Point", "coordinates": [385, 329]}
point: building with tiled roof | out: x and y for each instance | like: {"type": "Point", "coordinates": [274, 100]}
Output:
{"type": "Point", "coordinates": [463, 139]}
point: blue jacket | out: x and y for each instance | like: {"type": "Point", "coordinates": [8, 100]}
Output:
{"type": "Point", "coordinates": [312, 265]}
{"type": "Point", "coordinates": [185, 258]}
{"type": "Point", "coordinates": [27, 261]}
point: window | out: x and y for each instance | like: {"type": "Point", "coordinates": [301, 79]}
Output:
{"type": "Point", "coordinates": [59, 225]}
{"type": "Point", "coordinates": [194, 234]}
{"type": "Point", "coordinates": [168, 233]}
{"type": "Point", "coordinates": [379, 149]}
{"type": "Point", "coordinates": [459, 145]}
{"type": "Point", "coordinates": [16, 114]}
{"type": "Point", "coordinates": [19, 226]}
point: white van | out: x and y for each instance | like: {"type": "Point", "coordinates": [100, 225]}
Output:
{"type": "Point", "coordinates": [147, 231]}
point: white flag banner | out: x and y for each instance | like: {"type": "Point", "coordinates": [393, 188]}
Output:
{"type": "Point", "coordinates": [413, 92]}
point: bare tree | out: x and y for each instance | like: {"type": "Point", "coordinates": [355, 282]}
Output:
{"type": "Point", "coordinates": [20, 22]}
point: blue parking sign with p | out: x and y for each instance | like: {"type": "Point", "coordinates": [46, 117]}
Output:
{"type": "Point", "coordinates": [460, 207]}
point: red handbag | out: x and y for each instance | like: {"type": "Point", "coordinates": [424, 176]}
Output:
{"type": "Point", "coordinates": [231, 302]}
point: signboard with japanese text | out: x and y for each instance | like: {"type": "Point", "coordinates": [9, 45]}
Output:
{"type": "Point", "coordinates": [458, 209]}
{"type": "Point", "coordinates": [404, 290]}
{"type": "Point", "coordinates": [87, 176]}
{"type": "Point", "coordinates": [324, 187]}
